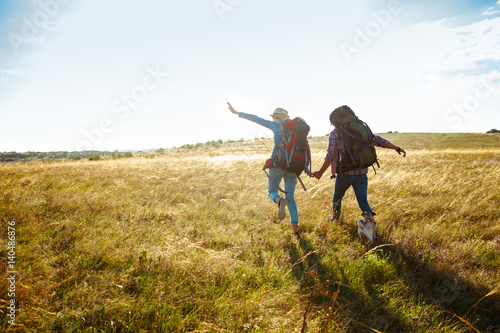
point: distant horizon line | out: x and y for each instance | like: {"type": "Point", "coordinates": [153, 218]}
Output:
{"type": "Point", "coordinates": [216, 140]}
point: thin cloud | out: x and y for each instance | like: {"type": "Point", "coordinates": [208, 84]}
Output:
{"type": "Point", "coordinates": [493, 10]}
{"type": "Point", "coordinates": [476, 49]}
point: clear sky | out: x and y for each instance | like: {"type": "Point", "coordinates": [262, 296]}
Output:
{"type": "Point", "coordinates": [142, 74]}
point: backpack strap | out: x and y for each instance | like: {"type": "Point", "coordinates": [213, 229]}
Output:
{"type": "Point", "coordinates": [308, 158]}
{"type": "Point", "coordinates": [282, 190]}
{"type": "Point", "coordinates": [301, 183]}
{"type": "Point", "coordinates": [279, 188]}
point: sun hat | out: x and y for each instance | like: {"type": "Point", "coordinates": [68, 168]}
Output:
{"type": "Point", "coordinates": [280, 112]}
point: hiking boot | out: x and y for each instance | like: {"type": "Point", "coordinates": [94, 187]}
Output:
{"type": "Point", "coordinates": [281, 208]}
{"type": "Point", "coordinates": [295, 228]}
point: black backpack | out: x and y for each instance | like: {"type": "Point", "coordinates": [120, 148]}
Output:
{"type": "Point", "coordinates": [357, 140]}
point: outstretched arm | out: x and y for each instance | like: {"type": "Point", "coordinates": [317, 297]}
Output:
{"type": "Point", "coordinates": [230, 107]}
{"type": "Point", "coordinates": [384, 143]}
{"type": "Point", "coordinates": [396, 148]}
{"type": "Point", "coordinates": [275, 126]}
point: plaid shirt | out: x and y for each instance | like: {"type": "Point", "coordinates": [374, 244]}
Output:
{"type": "Point", "coordinates": [335, 149]}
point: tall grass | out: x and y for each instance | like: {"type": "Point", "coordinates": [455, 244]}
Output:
{"type": "Point", "coordinates": [187, 241]}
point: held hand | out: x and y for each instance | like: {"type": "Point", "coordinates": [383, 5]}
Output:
{"type": "Point", "coordinates": [230, 107]}
{"type": "Point", "coordinates": [317, 174]}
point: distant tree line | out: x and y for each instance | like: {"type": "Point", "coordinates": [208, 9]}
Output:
{"type": "Point", "coordinates": [213, 144]}
{"type": "Point", "coordinates": [493, 130]}
{"type": "Point", "coordinates": [91, 155]}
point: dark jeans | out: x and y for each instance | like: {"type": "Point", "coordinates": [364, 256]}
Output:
{"type": "Point", "coordinates": [360, 185]}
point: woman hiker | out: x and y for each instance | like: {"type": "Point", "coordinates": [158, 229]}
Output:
{"type": "Point", "coordinates": [277, 174]}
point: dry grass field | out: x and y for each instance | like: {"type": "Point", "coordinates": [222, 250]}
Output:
{"type": "Point", "coordinates": [186, 240]}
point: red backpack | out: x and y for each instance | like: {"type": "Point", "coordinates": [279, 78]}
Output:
{"type": "Point", "coordinates": [293, 154]}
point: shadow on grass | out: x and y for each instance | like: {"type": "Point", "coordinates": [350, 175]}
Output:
{"type": "Point", "coordinates": [331, 297]}
{"type": "Point", "coordinates": [445, 289]}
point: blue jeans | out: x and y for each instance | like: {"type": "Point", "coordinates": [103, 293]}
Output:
{"type": "Point", "coordinates": [275, 176]}
{"type": "Point", "coordinates": [360, 185]}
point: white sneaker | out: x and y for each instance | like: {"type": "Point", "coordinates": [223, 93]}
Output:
{"type": "Point", "coordinates": [281, 208]}
{"type": "Point", "coordinates": [332, 218]}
